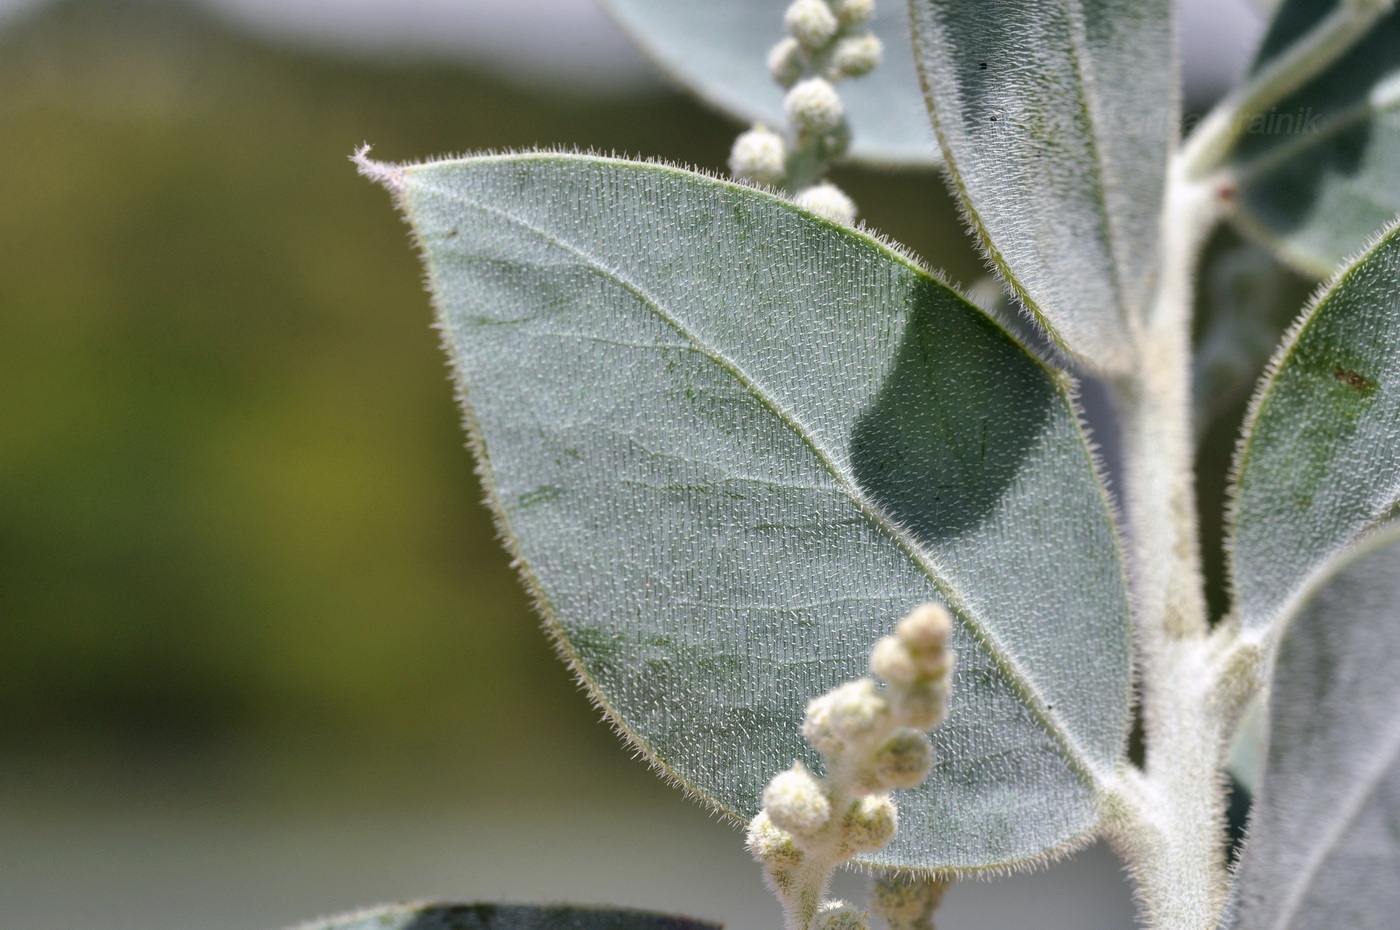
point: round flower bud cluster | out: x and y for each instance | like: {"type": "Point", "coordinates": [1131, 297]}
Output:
{"type": "Point", "coordinates": [759, 155]}
{"type": "Point", "coordinates": [916, 664]}
{"type": "Point", "coordinates": [871, 740]}
{"type": "Point", "coordinates": [853, 12]}
{"type": "Point", "coordinates": [855, 55]}
{"type": "Point", "coordinates": [828, 200]}
{"type": "Point", "coordinates": [795, 801]}
{"type": "Point", "coordinates": [813, 107]}
{"type": "Point", "coordinates": [812, 23]}
{"type": "Point", "coordinates": [786, 62]}
{"type": "Point", "coordinates": [871, 822]}
{"type": "Point", "coordinates": [827, 41]}
{"type": "Point", "coordinates": [904, 902]}
{"type": "Point", "coordinates": [838, 915]}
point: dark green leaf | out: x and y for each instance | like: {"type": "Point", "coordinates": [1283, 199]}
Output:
{"type": "Point", "coordinates": [503, 917]}
{"type": "Point", "coordinates": [1056, 118]}
{"type": "Point", "coordinates": [732, 444]}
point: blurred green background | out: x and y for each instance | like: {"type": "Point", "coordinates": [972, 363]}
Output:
{"type": "Point", "coordinates": [260, 653]}
{"type": "Point", "coordinates": [234, 503]}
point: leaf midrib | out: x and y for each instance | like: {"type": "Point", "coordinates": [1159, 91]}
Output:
{"type": "Point", "coordinates": [1050, 722]}
{"type": "Point", "coordinates": [1074, 11]}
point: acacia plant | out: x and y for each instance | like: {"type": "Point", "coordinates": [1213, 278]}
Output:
{"type": "Point", "coordinates": [731, 436]}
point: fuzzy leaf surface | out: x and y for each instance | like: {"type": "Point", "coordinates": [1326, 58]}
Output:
{"type": "Point", "coordinates": [504, 917]}
{"type": "Point", "coordinates": [1056, 118]}
{"type": "Point", "coordinates": [1320, 461]}
{"type": "Point", "coordinates": [732, 444]}
{"type": "Point", "coordinates": [719, 49]}
{"type": "Point", "coordinates": [1319, 174]}
{"type": "Point", "coordinates": [1324, 836]}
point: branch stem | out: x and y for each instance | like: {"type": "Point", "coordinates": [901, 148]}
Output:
{"type": "Point", "coordinates": [1167, 820]}
{"type": "Point", "coordinates": [1331, 38]}
{"type": "Point", "coordinates": [1154, 404]}
{"type": "Point", "coordinates": [1170, 824]}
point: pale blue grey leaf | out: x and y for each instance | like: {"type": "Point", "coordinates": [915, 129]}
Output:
{"type": "Point", "coordinates": [1324, 839]}
{"type": "Point", "coordinates": [719, 49]}
{"type": "Point", "coordinates": [1056, 118]}
{"type": "Point", "coordinates": [732, 443]}
{"type": "Point", "coordinates": [503, 917]}
{"type": "Point", "coordinates": [1319, 463]}
{"type": "Point", "coordinates": [1319, 174]}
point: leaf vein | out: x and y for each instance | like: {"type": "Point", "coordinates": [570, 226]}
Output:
{"type": "Point", "coordinates": [1079, 759]}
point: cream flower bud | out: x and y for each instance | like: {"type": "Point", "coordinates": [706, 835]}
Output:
{"type": "Point", "coordinates": [934, 666]}
{"type": "Point", "coordinates": [870, 823]}
{"type": "Point", "coordinates": [838, 915]}
{"type": "Point", "coordinates": [771, 846]}
{"type": "Point", "coordinates": [827, 200]}
{"type": "Point", "coordinates": [903, 902]}
{"type": "Point", "coordinates": [814, 107]}
{"type": "Point", "coordinates": [811, 23]}
{"type": "Point", "coordinates": [785, 62]}
{"type": "Point", "coordinates": [859, 711]}
{"type": "Point", "coordinates": [816, 727]}
{"type": "Point", "coordinates": [891, 661]}
{"type": "Point", "coordinates": [759, 155]}
{"type": "Point", "coordinates": [903, 761]}
{"type": "Point", "coordinates": [855, 55]}
{"type": "Point", "coordinates": [851, 12]}
{"type": "Point", "coordinates": [795, 801]}
{"type": "Point", "coordinates": [926, 628]}
{"type": "Point", "coordinates": [897, 899]}
{"type": "Point", "coordinates": [921, 707]}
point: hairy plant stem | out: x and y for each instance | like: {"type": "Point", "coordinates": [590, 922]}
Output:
{"type": "Point", "coordinates": [1331, 38]}
{"type": "Point", "coordinates": [812, 880]}
{"type": "Point", "coordinates": [1167, 820]}
{"type": "Point", "coordinates": [1154, 404]}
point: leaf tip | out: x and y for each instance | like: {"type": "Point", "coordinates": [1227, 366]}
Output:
{"type": "Point", "coordinates": [383, 173]}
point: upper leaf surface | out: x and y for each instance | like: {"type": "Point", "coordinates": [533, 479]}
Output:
{"type": "Point", "coordinates": [1319, 463]}
{"type": "Point", "coordinates": [504, 917]}
{"type": "Point", "coordinates": [1056, 118]}
{"type": "Point", "coordinates": [1320, 173]}
{"type": "Point", "coordinates": [733, 443]}
{"type": "Point", "coordinates": [719, 49]}
{"type": "Point", "coordinates": [1324, 837]}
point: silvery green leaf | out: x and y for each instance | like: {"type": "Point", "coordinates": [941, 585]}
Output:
{"type": "Point", "coordinates": [503, 917]}
{"type": "Point", "coordinates": [1319, 464]}
{"type": "Point", "coordinates": [1056, 118]}
{"type": "Point", "coordinates": [719, 49]}
{"type": "Point", "coordinates": [1319, 174]}
{"type": "Point", "coordinates": [732, 443]}
{"type": "Point", "coordinates": [1324, 839]}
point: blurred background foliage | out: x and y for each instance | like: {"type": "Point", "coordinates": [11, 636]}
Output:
{"type": "Point", "coordinates": [236, 518]}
